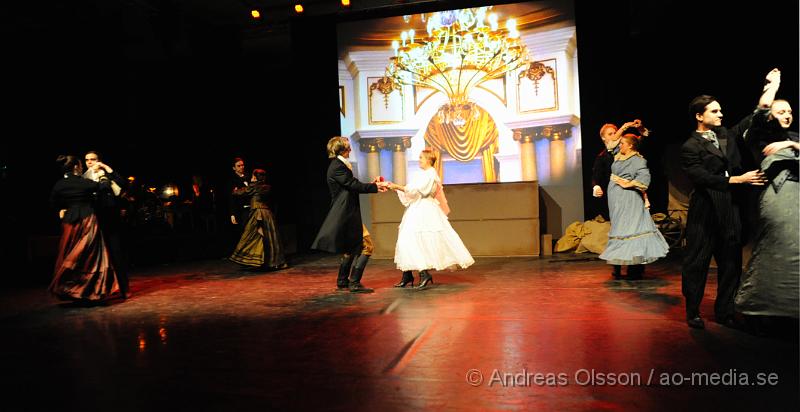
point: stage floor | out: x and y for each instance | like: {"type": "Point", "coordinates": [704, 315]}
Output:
{"type": "Point", "coordinates": [506, 334]}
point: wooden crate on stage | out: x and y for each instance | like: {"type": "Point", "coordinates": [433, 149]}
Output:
{"type": "Point", "coordinates": [493, 219]}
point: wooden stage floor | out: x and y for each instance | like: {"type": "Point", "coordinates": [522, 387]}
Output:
{"type": "Point", "coordinates": [506, 334]}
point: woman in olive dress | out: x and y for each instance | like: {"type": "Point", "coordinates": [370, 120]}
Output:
{"type": "Point", "coordinates": [260, 244]}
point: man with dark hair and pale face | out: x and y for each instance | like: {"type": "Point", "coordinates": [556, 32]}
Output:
{"type": "Point", "coordinates": [713, 163]}
{"type": "Point", "coordinates": [238, 207]}
{"type": "Point", "coordinates": [238, 181]}
{"type": "Point", "coordinates": [110, 211]}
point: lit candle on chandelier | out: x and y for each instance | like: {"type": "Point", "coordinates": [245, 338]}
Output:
{"type": "Point", "coordinates": [511, 25]}
{"type": "Point", "coordinates": [493, 21]}
{"type": "Point", "coordinates": [411, 35]}
{"type": "Point", "coordinates": [395, 45]}
{"type": "Point", "coordinates": [404, 37]}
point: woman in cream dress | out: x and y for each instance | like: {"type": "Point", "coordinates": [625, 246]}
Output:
{"type": "Point", "coordinates": [426, 241]}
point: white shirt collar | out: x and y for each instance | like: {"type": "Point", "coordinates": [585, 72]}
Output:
{"type": "Point", "coordinates": [345, 161]}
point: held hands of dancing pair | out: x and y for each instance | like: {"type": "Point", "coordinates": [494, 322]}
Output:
{"type": "Point", "coordinates": [636, 124]}
{"type": "Point", "coordinates": [384, 186]}
{"type": "Point", "coordinates": [102, 168]}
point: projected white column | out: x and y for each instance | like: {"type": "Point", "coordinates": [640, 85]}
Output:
{"type": "Point", "coordinates": [372, 148]}
{"type": "Point", "coordinates": [399, 163]}
{"type": "Point", "coordinates": [558, 155]}
{"type": "Point", "coordinates": [527, 156]}
{"type": "Point", "coordinates": [558, 158]}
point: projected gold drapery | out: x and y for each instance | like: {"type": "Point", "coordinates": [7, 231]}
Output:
{"type": "Point", "coordinates": [463, 143]}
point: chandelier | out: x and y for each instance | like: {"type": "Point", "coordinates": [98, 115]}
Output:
{"type": "Point", "coordinates": [462, 49]}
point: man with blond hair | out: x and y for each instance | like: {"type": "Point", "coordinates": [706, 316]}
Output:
{"type": "Point", "coordinates": [342, 230]}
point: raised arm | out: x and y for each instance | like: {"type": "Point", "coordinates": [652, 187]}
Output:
{"type": "Point", "coordinates": [759, 117]}
{"type": "Point", "coordinates": [773, 82]}
{"type": "Point", "coordinates": [626, 126]}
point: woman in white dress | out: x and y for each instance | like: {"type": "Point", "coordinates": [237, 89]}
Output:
{"type": "Point", "coordinates": [426, 241]}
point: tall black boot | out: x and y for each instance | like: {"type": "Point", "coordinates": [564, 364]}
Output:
{"type": "Point", "coordinates": [358, 272]}
{"type": "Point", "coordinates": [408, 277]}
{"type": "Point", "coordinates": [635, 272]}
{"type": "Point", "coordinates": [617, 272]}
{"type": "Point", "coordinates": [344, 270]}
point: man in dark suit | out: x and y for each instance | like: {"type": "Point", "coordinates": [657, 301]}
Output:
{"type": "Point", "coordinates": [342, 230]}
{"type": "Point", "coordinates": [109, 211]}
{"type": "Point", "coordinates": [712, 160]}
{"type": "Point", "coordinates": [601, 169]}
{"type": "Point", "coordinates": [238, 206]}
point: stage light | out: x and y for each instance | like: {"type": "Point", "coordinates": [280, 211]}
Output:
{"type": "Point", "coordinates": [298, 8]}
{"type": "Point", "coordinates": [169, 190]}
{"type": "Point", "coordinates": [255, 14]}
{"type": "Point", "coordinates": [346, 3]}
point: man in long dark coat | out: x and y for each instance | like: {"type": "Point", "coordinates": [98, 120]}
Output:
{"type": "Point", "coordinates": [343, 231]}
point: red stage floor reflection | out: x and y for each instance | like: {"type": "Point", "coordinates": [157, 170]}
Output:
{"type": "Point", "coordinates": [507, 334]}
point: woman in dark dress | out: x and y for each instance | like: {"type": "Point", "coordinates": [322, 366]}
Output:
{"type": "Point", "coordinates": [260, 244]}
{"type": "Point", "coordinates": [770, 285]}
{"type": "Point", "coordinates": [83, 268]}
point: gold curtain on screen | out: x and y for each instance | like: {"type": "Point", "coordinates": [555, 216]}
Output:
{"type": "Point", "coordinates": [477, 136]}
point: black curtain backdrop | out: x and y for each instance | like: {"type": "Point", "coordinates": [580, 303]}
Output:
{"type": "Point", "coordinates": [167, 89]}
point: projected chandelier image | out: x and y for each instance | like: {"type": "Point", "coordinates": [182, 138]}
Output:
{"type": "Point", "coordinates": [493, 89]}
{"type": "Point", "coordinates": [462, 49]}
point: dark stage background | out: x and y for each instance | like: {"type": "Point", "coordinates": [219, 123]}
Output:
{"type": "Point", "coordinates": [170, 88]}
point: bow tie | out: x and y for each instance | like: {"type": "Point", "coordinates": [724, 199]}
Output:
{"type": "Point", "coordinates": [710, 136]}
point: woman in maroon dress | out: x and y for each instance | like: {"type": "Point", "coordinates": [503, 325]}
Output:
{"type": "Point", "coordinates": [83, 268]}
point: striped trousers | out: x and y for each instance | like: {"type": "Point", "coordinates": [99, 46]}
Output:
{"type": "Point", "coordinates": [713, 229]}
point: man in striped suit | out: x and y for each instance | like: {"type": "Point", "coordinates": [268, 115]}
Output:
{"type": "Point", "coordinates": [712, 160]}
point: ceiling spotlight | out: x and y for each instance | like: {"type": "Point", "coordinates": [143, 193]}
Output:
{"type": "Point", "coordinates": [255, 14]}
{"type": "Point", "coordinates": [346, 3]}
{"type": "Point", "coordinates": [298, 8]}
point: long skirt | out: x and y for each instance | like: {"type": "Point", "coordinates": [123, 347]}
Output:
{"type": "Point", "coordinates": [633, 239]}
{"type": "Point", "coordinates": [771, 284]}
{"type": "Point", "coordinates": [83, 267]}
{"type": "Point", "coordinates": [426, 240]}
{"type": "Point", "coordinates": [260, 244]}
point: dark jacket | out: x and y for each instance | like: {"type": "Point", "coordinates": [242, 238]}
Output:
{"type": "Point", "coordinates": [341, 232]}
{"type": "Point", "coordinates": [236, 204]}
{"type": "Point", "coordinates": [105, 199]}
{"type": "Point", "coordinates": [601, 170]}
{"type": "Point", "coordinates": [256, 195]}
{"type": "Point", "coordinates": [706, 167]}
{"type": "Point", "coordinates": [761, 133]}
{"type": "Point", "coordinates": [76, 194]}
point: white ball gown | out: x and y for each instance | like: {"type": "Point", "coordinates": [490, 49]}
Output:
{"type": "Point", "coordinates": [425, 239]}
